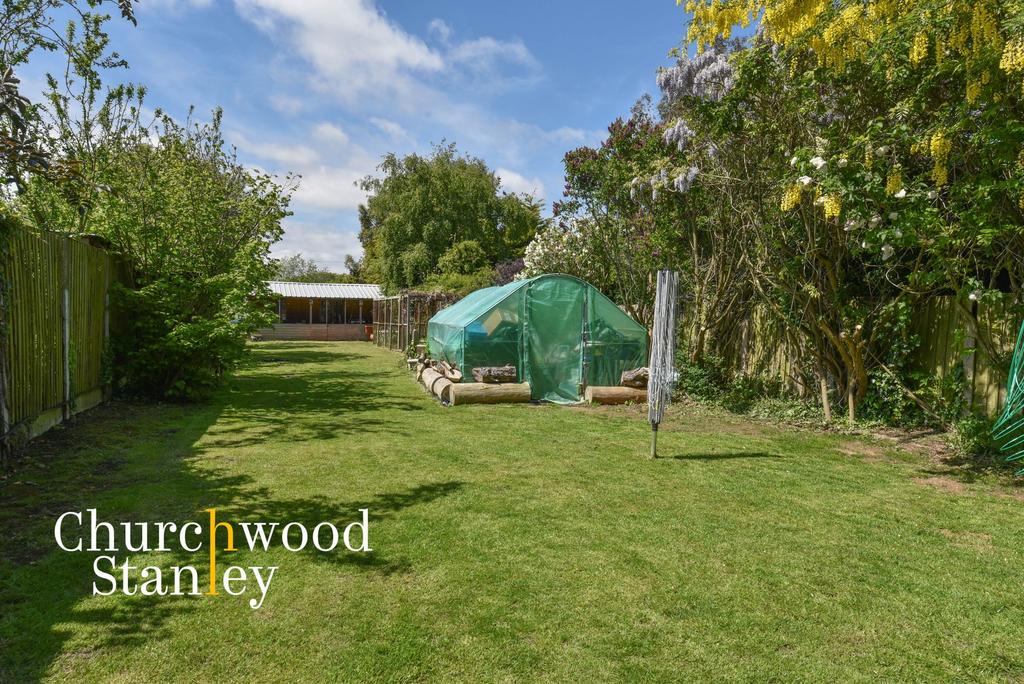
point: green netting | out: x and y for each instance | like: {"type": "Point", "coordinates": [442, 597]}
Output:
{"type": "Point", "coordinates": [559, 332]}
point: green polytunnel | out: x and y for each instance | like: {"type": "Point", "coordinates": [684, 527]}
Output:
{"type": "Point", "coordinates": [560, 333]}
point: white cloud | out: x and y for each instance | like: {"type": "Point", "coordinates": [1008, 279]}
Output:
{"type": "Point", "coordinates": [287, 104]}
{"type": "Point", "coordinates": [294, 157]}
{"type": "Point", "coordinates": [515, 182]}
{"type": "Point", "coordinates": [441, 29]}
{"type": "Point", "coordinates": [483, 54]}
{"type": "Point", "coordinates": [356, 50]}
{"type": "Point", "coordinates": [323, 243]}
{"type": "Point", "coordinates": [392, 129]}
{"type": "Point", "coordinates": [331, 187]}
{"type": "Point", "coordinates": [173, 5]}
{"type": "Point", "coordinates": [330, 133]}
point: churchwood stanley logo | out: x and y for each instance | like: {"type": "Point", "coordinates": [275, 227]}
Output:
{"type": "Point", "coordinates": [76, 533]}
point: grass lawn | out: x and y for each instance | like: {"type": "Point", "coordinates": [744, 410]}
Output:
{"type": "Point", "coordinates": [510, 543]}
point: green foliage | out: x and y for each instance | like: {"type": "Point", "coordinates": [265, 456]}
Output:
{"type": "Point", "coordinates": [299, 269]}
{"type": "Point", "coordinates": [416, 263]}
{"type": "Point", "coordinates": [462, 259]}
{"type": "Point", "coordinates": [706, 380]}
{"type": "Point", "coordinates": [28, 27]}
{"type": "Point", "coordinates": [421, 207]}
{"type": "Point", "coordinates": [195, 234]}
{"type": "Point", "coordinates": [971, 439]}
{"type": "Point", "coordinates": [183, 334]}
{"type": "Point", "coordinates": [461, 284]}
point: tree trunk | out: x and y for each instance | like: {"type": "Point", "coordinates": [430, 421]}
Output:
{"type": "Point", "coordinates": [489, 393]}
{"type": "Point", "coordinates": [614, 395]}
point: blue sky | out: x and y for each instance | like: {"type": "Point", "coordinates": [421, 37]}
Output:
{"type": "Point", "coordinates": [325, 87]}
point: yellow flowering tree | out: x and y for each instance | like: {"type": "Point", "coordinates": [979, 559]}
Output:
{"type": "Point", "coordinates": [906, 170]}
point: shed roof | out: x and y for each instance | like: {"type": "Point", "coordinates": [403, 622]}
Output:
{"type": "Point", "coordinates": [325, 290]}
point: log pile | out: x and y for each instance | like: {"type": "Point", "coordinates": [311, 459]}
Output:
{"type": "Point", "coordinates": [444, 381]}
{"type": "Point", "coordinates": [437, 384]}
{"type": "Point", "coordinates": [449, 371]}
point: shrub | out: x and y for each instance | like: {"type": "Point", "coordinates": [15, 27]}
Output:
{"type": "Point", "coordinates": [461, 285]}
{"type": "Point", "coordinates": [971, 439]}
{"type": "Point", "coordinates": [705, 380]}
{"type": "Point", "coordinates": [463, 258]}
{"type": "Point", "coordinates": [181, 334]}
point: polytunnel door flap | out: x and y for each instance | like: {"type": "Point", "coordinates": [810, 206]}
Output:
{"type": "Point", "coordinates": [555, 345]}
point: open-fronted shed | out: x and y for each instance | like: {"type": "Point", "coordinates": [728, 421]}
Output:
{"type": "Point", "coordinates": [322, 311]}
{"type": "Point", "coordinates": [561, 333]}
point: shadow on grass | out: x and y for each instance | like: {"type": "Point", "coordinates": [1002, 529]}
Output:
{"type": "Point", "coordinates": [970, 470]}
{"type": "Point", "coordinates": [303, 401]}
{"type": "Point", "coordinates": [138, 463]}
{"type": "Point", "coordinates": [720, 457]}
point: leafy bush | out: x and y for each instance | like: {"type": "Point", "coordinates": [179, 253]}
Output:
{"type": "Point", "coordinates": [706, 380]}
{"type": "Point", "coordinates": [462, 284]}
{"type": "Point", "coordinates": [181, 335]}
{"type": "Point", "coordinates": [971, 439]}
{"type": "Point", "coordinates": [462, 258]}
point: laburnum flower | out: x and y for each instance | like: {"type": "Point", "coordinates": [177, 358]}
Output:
{"type": "Point", "coordinates": [833, 206]}
{"type": "Point", "coordinates": [791, 198]}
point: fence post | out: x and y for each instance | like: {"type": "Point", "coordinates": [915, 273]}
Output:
{"type": "Point", "coordinates": [969, 357]}
{"type": "Point", "coordinates": [65, 311]}
{"type": "Point", "coordinates": [5, 416]}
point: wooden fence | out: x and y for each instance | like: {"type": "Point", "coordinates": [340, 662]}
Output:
{"type": "Point", "coordinates": [401, 321]}
{"type": "Point", "coordinates": [56, 325]}
{"type": "Point", "coordinates": [951, 335]}
{"type": "Point", "coordinates": [951, 341]}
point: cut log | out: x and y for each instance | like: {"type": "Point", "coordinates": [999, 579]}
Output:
{"type": "Point", "coordinates": [449, 371]}
{"type": "Point", "coordinates": [495, 374]}
{"type": "Point", "coordinates": [420, 367]}
{"type": "Point", "coordinates": [614, 395]}
{"type": "Point", "coordinates": [437, 384]}
{"type": "Point", "coordinates": [636, 378]}
{"type": "Point", "coordinates": [489, 393]}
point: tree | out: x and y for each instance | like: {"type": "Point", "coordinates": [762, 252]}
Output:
{"type": "Point", "coordinates": [295, 268]}
{"type": "Point", "coordinates": [27, 26]}
{"type": "Point", "coordinates": [420, 207]}
{"type": "Point", "coordinates": [192, 224]}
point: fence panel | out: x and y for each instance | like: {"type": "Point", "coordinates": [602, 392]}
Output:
{"type": "Point", "coordinates": [943, 328]}
{"type": "Point", "coordinates": [400, 321]}
{"type": "Point", "coordinates": [57, 325]}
